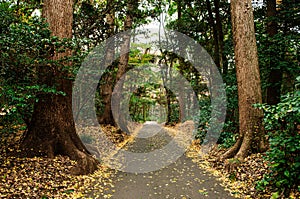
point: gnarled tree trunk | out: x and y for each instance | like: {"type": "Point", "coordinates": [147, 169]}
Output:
{"type": "Point", "coordinates": [52, 128]}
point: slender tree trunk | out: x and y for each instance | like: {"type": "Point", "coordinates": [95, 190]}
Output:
{"type": "Point", "coordinates": [106, 89]}
{"type": "Point", "coordinates": [169, 108]}
{"type": "Point", "coordinates": [123, 66]}
{"type": "Point", "coordinates": [182, 98]}
{"type": "Point", "coordinates": [168, 78]}
{"type": "Point", "coordinates": [223, 61]}
{"type": "Point", "coordinates": [275, 75]}
{"type": "Point", "coordinates": [215, 34]}
{"type": "Point", "coordinates": [248, 77]}
{"type": "Point", "coordinates": [288, 82]}
{"type": "Point", "coordinates": [52, 129]}
{"type": "Point", "coordinates": [181, 67]}
{"type": "Point", "coordinates": [179, 9]}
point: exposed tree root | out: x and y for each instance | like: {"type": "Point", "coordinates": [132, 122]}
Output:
{"type": "Point", "coordinates": [232, 151]}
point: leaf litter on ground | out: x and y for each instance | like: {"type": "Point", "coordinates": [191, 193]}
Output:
{"type": "Point", "coordinates": [242, 181]}
{"type": "Point", "coordinates": [42, 177]}
{"type": "Point", "coordinates": [50, 178]}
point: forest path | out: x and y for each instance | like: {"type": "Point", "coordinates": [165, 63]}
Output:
{"type": "Point", "coordinates": [181, 179]}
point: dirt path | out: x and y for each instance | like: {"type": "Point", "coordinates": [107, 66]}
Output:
{"type": "Point", "coordinates": [181, 179]}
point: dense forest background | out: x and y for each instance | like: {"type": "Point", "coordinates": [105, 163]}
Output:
{"type": "Point", "coordinates": [255, 46]}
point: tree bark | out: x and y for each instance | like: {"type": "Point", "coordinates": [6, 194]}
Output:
{"type": "Point", "coordinates": [275, 75]}
{"type": "Point", "coordinates": [223, 61]}
{"type": "Point", "coordinates": [123, 66]}
{"type": "Point", "coordinates": [252, 137]}
{"type": "Point", "coordinates": [215, 34]}
{"type": "Point", "coordinates": [167, 80]}
{"type": "Point", "coordinates": [181, 68]}
{"type": "Point", "coordinates": [52, 129]}
{"type": "Point", "coordinates": [106, 89]}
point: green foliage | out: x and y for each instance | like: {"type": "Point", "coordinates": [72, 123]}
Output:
{"type": "Point", "coordinates": [20, 46]}
{"type": "Point", "coordinates": [203, 118]}
{"type": "Point", "coordinates": [194, 22]}
{"type": "Point", "coordinates": [230, 131]}
{"type": "Point", "coordinates": [26, 45]}
{"type": "Point", "coordinates": [89, 23]}
{"type": "Point", "coordinates": [174, 113]}
{"type": "Point", "coordinates": [141, 102]}
{"type": "Point", "coordinates": [281, 50]}
{"type": "Point", "coordinates": [283, 122]}
{"type": "Point", "coordinates": [228, 137]}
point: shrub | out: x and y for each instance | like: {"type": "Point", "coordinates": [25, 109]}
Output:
{"type": "Point", "coordinates": [283, 122]}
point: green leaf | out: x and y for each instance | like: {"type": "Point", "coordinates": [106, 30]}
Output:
{"type": "Point", "coordinates": [275, 195]}
{"type": "Point", "coordinates": [287, 173]}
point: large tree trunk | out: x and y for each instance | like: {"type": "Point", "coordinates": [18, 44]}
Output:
{"type": "Point", "coordinates": [52, 128]}
{"type": "Point", "coordinates": [252, 137]}
{"type": "Point", "coordinates": [275, 75]}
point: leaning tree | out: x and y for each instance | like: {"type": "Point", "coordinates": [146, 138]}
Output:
{"type": "Point", "coordinates": [52, 131]}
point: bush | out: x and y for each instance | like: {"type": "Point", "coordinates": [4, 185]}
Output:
{"type": "Point", "coordinates": [230, 129]}
{"type": "Point", "coordinates": [283, 122]}
{"type": "Point", "coordinates": [203, 118]}
{"type": "Point", "coordinates": [228, 137]}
